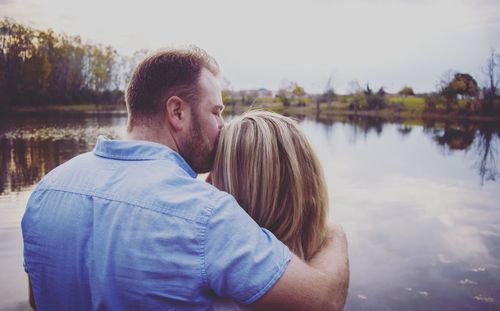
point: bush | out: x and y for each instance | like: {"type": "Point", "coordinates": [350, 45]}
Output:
{"type": "Point", "coordinates": [375, 101]}
{"type": "Point", "coordinates": [431, 102]}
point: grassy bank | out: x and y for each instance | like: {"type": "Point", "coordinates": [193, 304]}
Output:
{"type": "Point", "coordinates": [397, 109]}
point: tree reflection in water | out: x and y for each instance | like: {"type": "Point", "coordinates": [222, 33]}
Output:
{"type": "Point", "coordinates": [367, 125]}
{"type": "Point", "coordinates": [487, 149]}
{"type": "Point", "coordinates": [481, 138]}
{"type": "Point", "coordinates": [24, 162]}
{"type": "Point", "coordinates": [26, 157]}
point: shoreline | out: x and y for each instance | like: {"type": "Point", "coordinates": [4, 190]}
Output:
{"type": "Point", "coordinates": [79, 109]}
{"type": "Point", "coordinates": [310, 111]}
{"type": "Point", "coordinates": [330, 112]}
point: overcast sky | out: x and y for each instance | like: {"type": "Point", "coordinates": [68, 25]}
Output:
{"type": "Point", "coordinates": [268, 43]}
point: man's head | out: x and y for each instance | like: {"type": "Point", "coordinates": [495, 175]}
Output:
{"type": "Point", "coordinates": [175, 93]}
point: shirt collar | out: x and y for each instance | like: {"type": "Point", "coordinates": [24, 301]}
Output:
{"type": "Point", "coordinates": [138, 150]}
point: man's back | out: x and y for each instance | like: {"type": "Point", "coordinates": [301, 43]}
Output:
{"type": "Point", "coordinates": [128, 227]}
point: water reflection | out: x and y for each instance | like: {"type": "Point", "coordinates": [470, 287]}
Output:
{"type": "Point", "coordinates": [481, 138]}
{"type": "Point", "coordinates": [30, 148]}
{"type": "Point", "coordinates": [23, 162]}
{"type": "Point", "coordinates": [487, 149]}
{"type": "Point", "coordinates": [29, 151]}
{"type": "Point", "coordinates": [404, 129]}
{"type": "Point", "coordinates": [423, 233]}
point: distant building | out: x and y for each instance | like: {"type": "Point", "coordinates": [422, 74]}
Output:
{"type": "Point", "coordinates": [262, 92]}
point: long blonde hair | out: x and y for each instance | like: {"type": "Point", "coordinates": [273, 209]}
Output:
{"type": "Point", "coordinates": [265, 161]}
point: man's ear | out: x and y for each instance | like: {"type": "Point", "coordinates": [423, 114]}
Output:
{"type": "Point", "coordinates": [176, 110]}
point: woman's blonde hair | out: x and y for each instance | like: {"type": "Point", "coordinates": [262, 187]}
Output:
{"type": "Point", "coordinates": [265, 161]}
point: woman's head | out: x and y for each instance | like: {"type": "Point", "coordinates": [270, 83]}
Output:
{"type": "Point", "coordinates": [265, 161]}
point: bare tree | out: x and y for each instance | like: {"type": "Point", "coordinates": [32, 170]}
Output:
{"type": "Point", "coordinates": [354, 87]}
{"type": "Point", "coordinates": [492, 73]}
{"type": "Point", "coordinates": [329, 93]}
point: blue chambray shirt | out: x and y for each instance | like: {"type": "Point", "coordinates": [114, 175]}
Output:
{"type": "Point", "coordinates": [128, 226]}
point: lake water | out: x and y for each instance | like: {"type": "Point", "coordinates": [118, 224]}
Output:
{"type": "Point", "coordinates": [420, 204]}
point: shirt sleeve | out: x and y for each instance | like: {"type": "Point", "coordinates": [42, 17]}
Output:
{"type": "Point", "coordinates": [242, 261]}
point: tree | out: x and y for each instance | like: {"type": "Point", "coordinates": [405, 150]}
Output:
{"type": "Point", "coordinates": [381, 91]}
{"type": "Point", "coordinates": [128, 63]}
{"type": "Point", "coordinates": [227, 93]}
{"type": "Point", "coordinates": [406, 91]}
{"type": "Point", "coordinates": [298, 90]}
{"type": "Point", "coordinates": [368, 90]}
{"type": "Point", "coordinates": [283, 96]}
{"type": "Point", "coordinates": [329, 93]}
{"type": "Point", "coordinates": [375, 100]}
{"type": "Point", "coordinates": [492, 73]}
{"type": "Point", "coordinates": [328, 96]}
{"type": "Point", "coordinates": [40, 67]}
{"type": "Point", "coordinates": [465, 85]}
{"type": "Point", "coordinates": [461, 84]}
{"type": "Point", "coordinates": [354, 87]}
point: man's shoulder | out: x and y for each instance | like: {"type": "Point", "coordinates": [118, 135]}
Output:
{"type": "Point", "coordinates": [160, 186]}
{"type": "Point", "coordinates": [71, 167]}
{"type": "Point", "coordinates": [191, 196]}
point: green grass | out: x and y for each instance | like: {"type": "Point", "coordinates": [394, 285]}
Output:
{"type": "Point", "coordinates": [410, 103]}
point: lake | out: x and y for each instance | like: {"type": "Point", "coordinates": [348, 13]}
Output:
{"type": "Point", "coordinates": [420, 204]}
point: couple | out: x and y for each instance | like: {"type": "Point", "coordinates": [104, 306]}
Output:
{"type": "Point", "coordinates": [128, 226]}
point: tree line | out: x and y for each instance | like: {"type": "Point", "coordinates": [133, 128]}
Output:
{"type": "Point", "coordinates": [456, 92]}
{"type": "Point", "coordinates": [39, 67]}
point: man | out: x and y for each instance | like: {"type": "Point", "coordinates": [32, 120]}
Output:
{"type": "Point", "coordinates": [128, 226]}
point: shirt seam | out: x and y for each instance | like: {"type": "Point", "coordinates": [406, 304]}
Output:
{"type": "Point", "coordinates": [203, 244]}
{"type": "Point", "coordinates": [115, 157]}
{"type": "Point", "coordinates": [178, 160]}
{"type": "Point", "coordinates": [133, 203]}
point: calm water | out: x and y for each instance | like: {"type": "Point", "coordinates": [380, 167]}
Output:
{"type": "Point", "coordinates": [420, 205]}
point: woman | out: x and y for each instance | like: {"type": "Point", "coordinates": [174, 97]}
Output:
{"type": "Point", "coordinates": [265, 161]}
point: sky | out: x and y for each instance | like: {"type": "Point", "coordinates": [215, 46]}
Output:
{"type": "Point", "coordinates": [271, 43]}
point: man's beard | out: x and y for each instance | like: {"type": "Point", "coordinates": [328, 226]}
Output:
{"type": "Point", "coordinates": [197, 150]}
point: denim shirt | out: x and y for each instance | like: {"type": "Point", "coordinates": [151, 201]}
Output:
{"type": "Point", "coordinates": [128, 226]}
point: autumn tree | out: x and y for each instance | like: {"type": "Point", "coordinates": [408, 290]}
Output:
{"type": "Point", "coordinates": [465, 85]}
{"type": "Point", "coordinates": [462, 84]}
{"type": "Point", "coordinates": [41, 67]}
{"type": "Point", "coordinates": [292, 91]}
{"type": "Point", "coordinates": [297, 90]}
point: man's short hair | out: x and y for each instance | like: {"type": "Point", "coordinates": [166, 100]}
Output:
{"type": "Point", "coordinates": [166, 73]}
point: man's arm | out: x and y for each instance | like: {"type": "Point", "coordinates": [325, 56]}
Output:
{"type": "Point", "coordinates": [320, 284]}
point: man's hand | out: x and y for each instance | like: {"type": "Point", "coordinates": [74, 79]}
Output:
{"type": "Point", "coordinates": [321, 284]}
